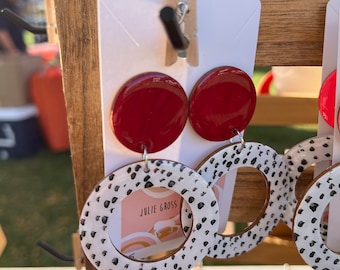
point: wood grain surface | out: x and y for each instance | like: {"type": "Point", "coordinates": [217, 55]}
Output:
{"type": "Point", "coordinates": [78, 39]}
{"type": "Point", "coordinates": [285, 111]}
{"type": "Point", "coordinates": [291, 33]}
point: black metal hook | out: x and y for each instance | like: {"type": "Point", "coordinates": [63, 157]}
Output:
{"type": "Point", "coordinates": [169, 19]}
{"type": "Point", "coordinates": [15, 18]}
{"type": "Point", "coordinates": [55, 253]}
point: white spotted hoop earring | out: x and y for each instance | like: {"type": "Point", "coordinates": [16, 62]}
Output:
{"type": "Point", "coordinates": [110, 192]}
{"type": "Point", "coordinates": [298, 159]}
{"type": "Point", "coordinates": [267, 161]}
{"type": "Point", "coordinates": [308, 217]}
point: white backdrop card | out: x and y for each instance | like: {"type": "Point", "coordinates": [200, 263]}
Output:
{"type": "Point", "coordinates": [132, 41]}
{"type": "Point", "coordinates": [331, 61]}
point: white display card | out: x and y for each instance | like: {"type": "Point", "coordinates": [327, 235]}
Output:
{"type": "Point", "coordinates": [132, 40]}
{"type": "Point", "coordinates": [331, 61]}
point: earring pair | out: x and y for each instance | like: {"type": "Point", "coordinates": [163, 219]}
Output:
{"type": "Point", "coordinates": [148, 114]}
{"type": "Point", "coordinates": [151, 109]}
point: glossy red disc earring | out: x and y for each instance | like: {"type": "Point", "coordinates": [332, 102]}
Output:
{"type": "Point", "coordinates": [326, 100]}
{"type": "Point", "coordinates": [222, 102]}
{"type": "Point", "coordinates": [150, 111]}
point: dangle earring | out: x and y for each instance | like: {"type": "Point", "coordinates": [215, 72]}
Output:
{"type": "Point", "coordinates": [310, 220]}
{"type": "Point", "coordinates": [148, 114]}
{"type": "Point", "coordinates": [308, 217]}
{"type": "Point", "coordinates": [313, 150]}
{"type": "Point", "coordinates": [221, 106]}
{"type": "Point", "coordinates": [298, 159]}
{"type": "Point", "coordinates": [271, 165]}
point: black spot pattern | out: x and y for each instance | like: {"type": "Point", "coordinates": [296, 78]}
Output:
{"type": "Point", "coordinates": [95, 216]}
{"type": "Point", "coordinates": [308, 234]}
{"type": "Point", "coordinates": [299, 158]}
{"type": "Point", "coordinates": [275, 171]}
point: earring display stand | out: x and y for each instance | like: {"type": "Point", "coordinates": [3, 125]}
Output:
{"type": "Point", "coordinates": [143, 46]}
{"type": "Point", "coordinates": [289, 35]}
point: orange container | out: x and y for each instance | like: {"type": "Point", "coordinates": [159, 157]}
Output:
{"type": "Point", "coordinates": [47, 93]}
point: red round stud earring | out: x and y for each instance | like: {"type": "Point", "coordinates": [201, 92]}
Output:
{"type": "Point", "coordinates": [150, 111]}
{"type": "Point", "coordinates": [222, 101]}
{"type": "Point", "coordinates": [326, 100]}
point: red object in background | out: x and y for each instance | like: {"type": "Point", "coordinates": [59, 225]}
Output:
{"type": "Point", "coordinates": [47, 93]}
{"type": "Point", "coordinates": [46, 50]}
{"type": "Point", "coordinates": [265, 82]}
{"type": "Point", "coordinates": [326, 99]}
{"type": "Point", "coordinates": [222, 103]}
{"type": "Point", "coordinates": [150, 110]}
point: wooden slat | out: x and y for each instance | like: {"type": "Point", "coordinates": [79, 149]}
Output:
{"type": "Point", "coordinates": [291, 33]}
{"type": "Point", "coordinates": [277, 111]}
{"type": "Point", "coordinates": [51, 22]}
{"type": "Point", "coordinates": [78, 39]}
{"type": "Point", "coordinates": [273, 250]}
{"type": "Point", "coordinates": [250, 193]}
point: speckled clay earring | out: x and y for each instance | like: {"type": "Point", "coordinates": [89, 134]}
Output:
{"type": "Point", "coordinates": [110, 192]}
{"type": "Point", "coordinates": [222, 104]}
{"type": "Point", "coordinates": [271, 165]}
{"type": "Point", "coordinates": [307, 219]}
{"type": "Point", "coordinates": [148, 114]}
{"type": "Point", "coordinates": [299, 158]}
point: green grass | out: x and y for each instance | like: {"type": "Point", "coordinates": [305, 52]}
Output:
{"type": "Point", "coordinates": [279, 138]}
{"type": "Point", "coordinates": [28, 38]}
{"type": "Point", "coordinates": [37, 204]}
{"type": "Point", "coordinates": [37, 198]}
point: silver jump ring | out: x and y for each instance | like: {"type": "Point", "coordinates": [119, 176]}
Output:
{"type": "Point", "coordinates": [182, 11]}
{"type": "Point", "coordinates": [145, 158]}
{"type": "Point", "coordinates": [242, 141]}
